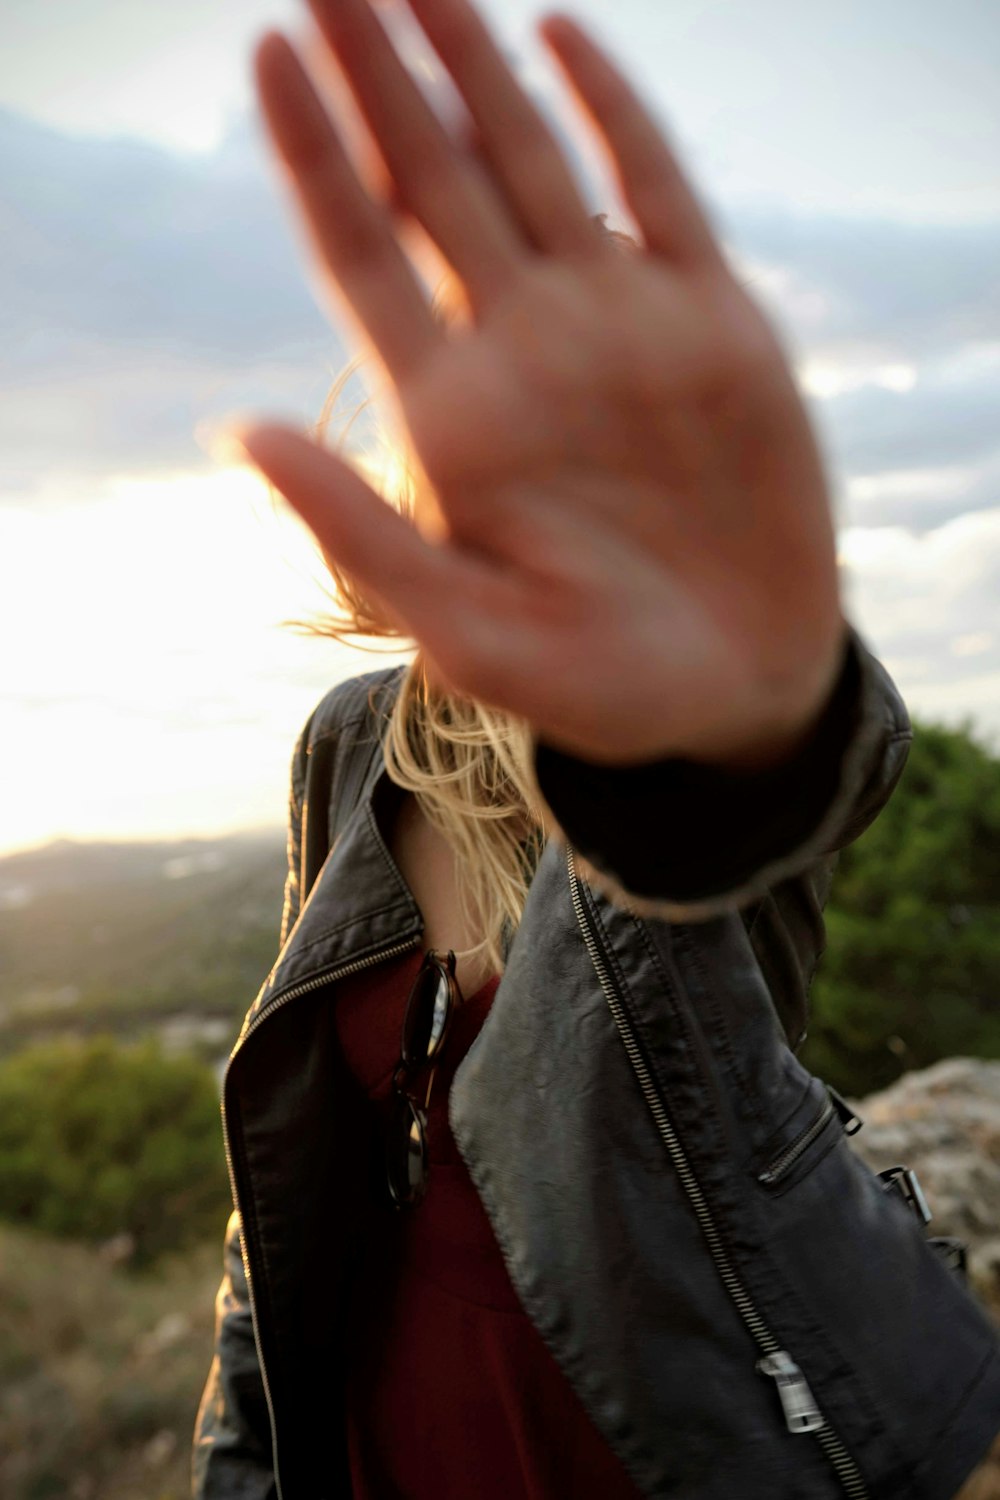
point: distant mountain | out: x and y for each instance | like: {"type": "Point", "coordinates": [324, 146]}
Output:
{"type": "Point", "coordinates": [68, 864]}
{"type": "Point", "coordinates": [129, 936]}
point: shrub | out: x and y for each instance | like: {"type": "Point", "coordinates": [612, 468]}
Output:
{"type": "Point", "coordinates": [99, 1139]}
{"type": "Point", "coordinates": [912, 968]}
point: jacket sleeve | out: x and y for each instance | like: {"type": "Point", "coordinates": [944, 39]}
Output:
{"type": "Point", "coordinates": [685, 841]}
{"type": "Point", "coordinates": [231, 1457]}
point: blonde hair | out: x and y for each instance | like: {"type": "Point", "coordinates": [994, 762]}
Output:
{"type": "Point", "coordinates": [470, 766]}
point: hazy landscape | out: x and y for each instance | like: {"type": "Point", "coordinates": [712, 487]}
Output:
{"type": "Point", "coordinates": [169, 939]}
{"type": "Point", "coordinates": [101, 1364]}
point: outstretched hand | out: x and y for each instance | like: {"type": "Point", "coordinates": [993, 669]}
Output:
{"type": "Point", "coordinates": [625, 532]}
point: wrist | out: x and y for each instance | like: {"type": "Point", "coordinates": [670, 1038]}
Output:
{"type": "Point", "coordinates": [724, 825]}
{"type": "Point", "coordinates": [782, 730]}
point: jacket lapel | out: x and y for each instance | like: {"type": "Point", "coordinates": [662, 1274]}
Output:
{"type": "Point", "coordinates": [358, 903]}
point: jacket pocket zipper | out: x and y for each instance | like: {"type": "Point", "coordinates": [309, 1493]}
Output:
{"type": "Point", "coordinates": [786, 1159]}
{"type": "Point", "coordinates": [249, 1229]}
{"type": "Point", "coordinates": [802, 1414]}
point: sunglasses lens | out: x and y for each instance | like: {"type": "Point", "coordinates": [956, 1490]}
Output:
{"type": "Point", "coordinates": [428, 1012]}
{"type": "Point", "coordinates": [427, 1015]}
{"type": "Point", "coordinates": [406, 1158]}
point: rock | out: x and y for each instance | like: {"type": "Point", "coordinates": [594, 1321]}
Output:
{"type": "Point", "coordinates": [944, 1123]}
{"type": "Point", "coordinates": [170, 1330]}
{"type": "Point", "coordinates": [118, 1250]}
{"type": "Point", "coordinates": [160, 1448]}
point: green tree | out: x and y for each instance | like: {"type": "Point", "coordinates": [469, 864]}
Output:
{"type": "Point", "coordinates": [912, 968]}
{"type": "Point", "coordinates": [98, 1139]}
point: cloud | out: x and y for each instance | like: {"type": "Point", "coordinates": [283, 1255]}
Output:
{"type": "Point", "coordinates": [152, 291]}
{"type": "Point", "coordinates": [895, 328]}
{"type": "Point", "coordinates": [134, 246]}
{"type": "Point", "coordinates": [904, 290]}
{"type": "Point", "coordinates": [139, 411]}
{"type": "Point", "coordinates": [145, 292]}
{"type": "Point", "coordinates": [171, 73]}
{"type": "Point", "coordinates": [930, 602]}
{"type": "Point", "coordinates": [917, 499]}
{"type": "Point", "coordinates": [938, 423]}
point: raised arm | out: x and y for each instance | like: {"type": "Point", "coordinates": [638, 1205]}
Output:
{"type": "Point", "coordinates": [622, 530]}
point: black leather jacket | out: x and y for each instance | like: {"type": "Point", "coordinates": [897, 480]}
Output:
{"type": "Point", "coordinates": [741, 1308]}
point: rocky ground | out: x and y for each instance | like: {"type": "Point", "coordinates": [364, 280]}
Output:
{"type": "Point", "coordinates": [944, 1123]}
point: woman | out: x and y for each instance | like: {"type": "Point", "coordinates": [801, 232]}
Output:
{"type": "Point", "coordinates": [592, 1229]}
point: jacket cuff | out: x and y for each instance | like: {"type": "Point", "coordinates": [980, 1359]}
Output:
{"type": "Point", "coordinates": [687, 840]}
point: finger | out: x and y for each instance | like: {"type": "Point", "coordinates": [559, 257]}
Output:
{"type": "Point", "coordinates": [353, 237]}
{"type": "Point", "coordinates": [444, 189]}
{"type": "Point", "coordinates": [442, 597]}
{"type": "Point", "coordinates": [652, 184]}
{"type": "Point", "coordinates": [514, 135]}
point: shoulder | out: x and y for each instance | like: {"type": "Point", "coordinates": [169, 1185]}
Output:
{"type": "Point", "coordinates": [353, 701]}
{"type": "Point", "coordinates": [347, 714]}
{"type": "Point", "coordinates": [352, 709]}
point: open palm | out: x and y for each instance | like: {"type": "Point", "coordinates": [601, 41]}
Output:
{"type": "Point", "coordinates": [624, 533]}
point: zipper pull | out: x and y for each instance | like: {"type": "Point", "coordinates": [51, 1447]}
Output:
{"type": "Point", "coordinates": [852, 1123]}
{"type": "Point", "coordinates": [801, 1412]}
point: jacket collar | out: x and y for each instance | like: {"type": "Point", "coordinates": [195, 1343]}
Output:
{"type": "Point", "coordinates": [359, 904]}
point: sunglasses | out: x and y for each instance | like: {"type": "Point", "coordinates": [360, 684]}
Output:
{"type": "Point", "coordinates": [429, 1010]}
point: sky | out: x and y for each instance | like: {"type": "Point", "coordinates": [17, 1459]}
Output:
{"type": "Point", "coordinates": [152, 285]}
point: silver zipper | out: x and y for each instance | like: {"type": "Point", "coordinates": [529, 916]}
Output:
{"type": "Point", "coordinates": [797, 1399]}
{"type": "Point", "coordinates": [326, 977]}
{"type": "Point", "coordinates": [783, 1163]}
{"type": "Point", "coordinates": [801, 1412]}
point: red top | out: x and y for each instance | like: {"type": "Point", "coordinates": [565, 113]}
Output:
{"type": "Point", "coordinates": [452, 1392]}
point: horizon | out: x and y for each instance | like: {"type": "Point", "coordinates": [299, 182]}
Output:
{"type": "Point", "coordinates": [279, 829]}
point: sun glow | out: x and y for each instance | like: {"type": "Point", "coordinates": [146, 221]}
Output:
{"type": "Point", "coordinates": [152, 688]}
